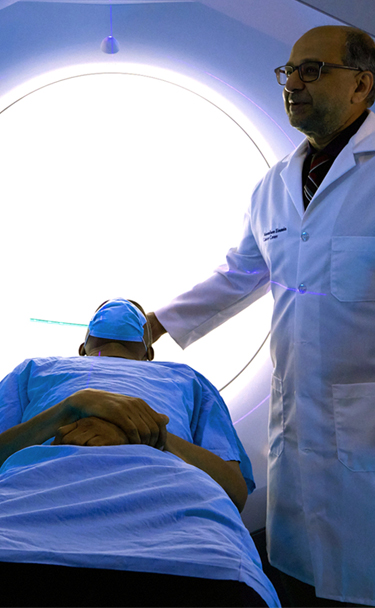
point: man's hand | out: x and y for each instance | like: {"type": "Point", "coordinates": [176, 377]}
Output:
{"type": "Point", "coordinates": [90, 431]}
{"type": "Point", "coordinates": [156, 327]}
{"type": "Point", "coordinates": [133, 416]}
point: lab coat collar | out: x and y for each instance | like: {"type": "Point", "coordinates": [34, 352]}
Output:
{"type": "Point", "coordinates": [362, 141]}
{"type": "Point", "coordinates": [292, 175]}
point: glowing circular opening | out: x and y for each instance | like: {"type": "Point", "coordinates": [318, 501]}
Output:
{"type": "Point", "coordinates": [121, 184]}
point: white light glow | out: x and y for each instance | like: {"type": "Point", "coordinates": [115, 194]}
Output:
{"type": "Point", "coordinates": [125, 185]}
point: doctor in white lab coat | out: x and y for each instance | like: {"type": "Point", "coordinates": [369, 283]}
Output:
{"type": "Point", "coordinates": [317, 253]}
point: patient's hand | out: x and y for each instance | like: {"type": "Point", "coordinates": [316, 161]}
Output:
{"type": "Point", "coordinates": [133, 416]}
{"type": "Point", "coordinates": [90, 431]}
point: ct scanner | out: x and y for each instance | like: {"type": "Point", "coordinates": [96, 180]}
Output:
{"type": "Point", "coordinates": [127, 173]}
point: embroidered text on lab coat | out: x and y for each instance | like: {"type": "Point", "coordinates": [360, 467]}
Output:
{"type": "Point", "coordinates": [273, 234]}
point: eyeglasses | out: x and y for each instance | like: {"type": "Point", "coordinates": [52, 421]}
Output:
{"type": "Point", "coordinates": [308, 71]}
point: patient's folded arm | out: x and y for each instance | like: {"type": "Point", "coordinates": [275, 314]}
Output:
{"type": "Point", "coordinates": [96, 432]}
{"type": "Point", "coordinates": [226, 473]}
{"type": "Point", "coordinates": [33, 432]}
{"type": "Point", "coordinates": [90, 431]}
{"type": "Point", "coordinates": [138, 421]}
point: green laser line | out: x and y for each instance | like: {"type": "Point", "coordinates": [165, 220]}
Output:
{"type": "Point", "coordinates": [58, 322]}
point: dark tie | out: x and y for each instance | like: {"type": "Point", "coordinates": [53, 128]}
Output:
{"type": "Point", "coordinates": [319, 168]}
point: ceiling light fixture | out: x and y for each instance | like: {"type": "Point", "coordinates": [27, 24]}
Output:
{"type": "Point", "coordinates": [110, 45]}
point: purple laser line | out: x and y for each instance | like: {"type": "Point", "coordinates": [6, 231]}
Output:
{"type": "Point", "coordinates": [284, 286]}
{"type": "Point", "coordinates": [311, 293]}
{"type": "Point", "coordinates": [110, 18]}
{"type": "Point", "coordinates": [253, 410]}
{"type": "Point", "coordinates": [255, 104]}
{"type": "Point", "coordinates": [191, 65]}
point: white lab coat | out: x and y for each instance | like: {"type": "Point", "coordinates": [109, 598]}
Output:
{"type": "Point", "coordinates": [321, 267]}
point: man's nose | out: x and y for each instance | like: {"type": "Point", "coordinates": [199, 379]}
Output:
{"type": "Point", "coordinates": [294, 82]}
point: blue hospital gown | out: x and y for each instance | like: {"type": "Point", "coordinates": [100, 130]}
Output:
{"type": "Point", "coordinates": [127, 507]}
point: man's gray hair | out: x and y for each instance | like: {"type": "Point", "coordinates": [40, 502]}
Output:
{"type": "Point", "coordinates": [360, 53]}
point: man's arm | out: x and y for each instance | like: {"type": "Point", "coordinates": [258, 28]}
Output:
{"type": "Point", "coordinates": [226, 473]}
{"type": "Point", "coordinates": [134, 417]}
{"type": "Point", "coordinates": [95, 432]}
{"type": "Point", "coordinates": [233, 286]}
{"type": "Point", "coordinates": [33, 432]}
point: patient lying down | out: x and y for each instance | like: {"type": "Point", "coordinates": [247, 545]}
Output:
{"type": "Point", "coordinates": [126, 473]}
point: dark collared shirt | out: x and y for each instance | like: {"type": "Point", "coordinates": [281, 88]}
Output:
{"type": "Point", "coordinates": [333, 149]}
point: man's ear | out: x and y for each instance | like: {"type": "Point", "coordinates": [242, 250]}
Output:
{"type": "Point", "coordinates": [81, 350]}
{"type": "Point", "coordinates": [365, 82]}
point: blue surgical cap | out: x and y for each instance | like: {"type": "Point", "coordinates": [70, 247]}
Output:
{"type": "Point", "coordinates": [118, 319]}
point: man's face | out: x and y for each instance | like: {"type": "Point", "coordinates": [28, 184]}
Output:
{"type": "Point", "coordinates": [323, 107]}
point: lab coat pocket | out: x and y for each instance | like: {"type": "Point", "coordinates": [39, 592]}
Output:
{"type": "Point", "coordinates": [276, 421]}
{"type": "Point", "coordinates": [353, 268]}
{"type": "Point", "coordinates": [354, 409]}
